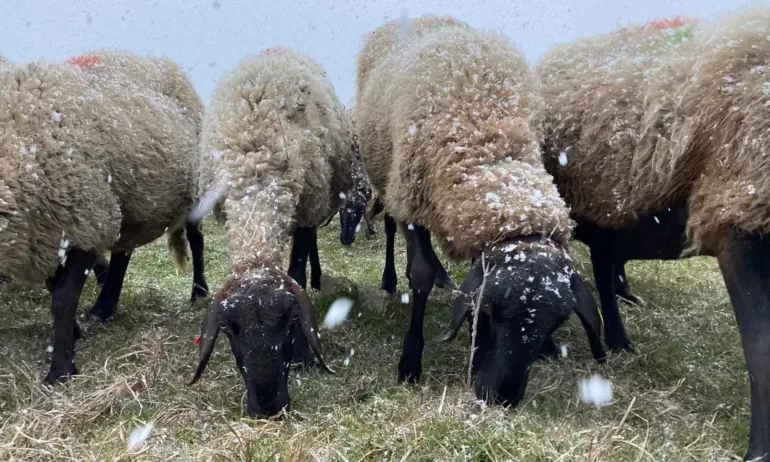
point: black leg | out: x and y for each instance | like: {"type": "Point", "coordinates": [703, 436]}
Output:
{"type": "Point", "coordinates": [300, 249]}
{"type": "Point", "coordinates": [64, 305]}
{"type": "Point", "coordinates": [423, 276]}
{"type": "Point", "coordinates": [108, 298]}
{"type": "Point", "coordinates": [389, 278]}
{"type": "Point", "coordinates": [195, 238]}
{"type": "Point", "coordinates": [622, 288]}
{"type": "Point", "coordinates": [315, 263]}
{"type": "Point", "coordinates": [100, 270]}
{"type": "Point", "coordinates": [745, 265]}
{"type": "Point", "coordinates": [443, 279]}
{"type": "Point", "coordinates": [548, 350]}
{"type": "Point", "coordinates": [405, 232]}
{"type": "Point", "coordinates": [371, 231]}
{"type": "Point", "coordinates": [604, 274]}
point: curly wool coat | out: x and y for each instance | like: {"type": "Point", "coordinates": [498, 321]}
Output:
{"type": "Point", "coordinates": [277, 141]}
{"type": "Point", "coordinates": [97, 153]}
{"type": "Point", "coordinates": [651, 115]}
{"type": "Point", "coordinates": [449, 130]}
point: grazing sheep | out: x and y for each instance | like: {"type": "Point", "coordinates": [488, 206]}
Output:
{"type": "Point", "coordinates": [664, 149]}
{"type": "Point", "coordinates": [459, 155]}
{"type": "Point", "coordinates": [99, 157]}
{"type": "Point", "coordinates": [275, 150]}
{"type": "Point", "coordinates": [358, 197]}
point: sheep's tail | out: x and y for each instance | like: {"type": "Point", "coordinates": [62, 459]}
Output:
{"type": "Point", "coordinates": [177, 244]}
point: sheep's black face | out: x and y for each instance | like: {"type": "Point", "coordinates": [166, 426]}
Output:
{"type": "Point", "coordinates": [350, 218]}
{"type": "Point", "coordinates": [258, 321]}
{"type": "Point", "coordinates": [259, 315]}
{"type": "Point", "coordinates": [527, 296]}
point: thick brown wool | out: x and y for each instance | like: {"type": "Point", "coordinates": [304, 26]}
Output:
{"type": "Point", "coordinates": [393, 36]}
{"type": "Point", "coordinates": [646, 118]}
{"type": "Point", "coordinates": [276, 141]}
{"type": "Point", "coordinates": [449, 133]}
{"type": "Point", "coordinates": [99, 157]}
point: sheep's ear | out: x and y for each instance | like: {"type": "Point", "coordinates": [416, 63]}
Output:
{"type": "Point", "coordinates": [308, 321]}
{"type": "Point", "coordinates": [209, 333]}
{"type": "Point", "coordinates": [589, 315]}
{"type": "Point", "coordinates": [463, 304]}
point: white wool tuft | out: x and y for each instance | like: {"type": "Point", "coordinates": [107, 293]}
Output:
{"type": "Point", "coordinates": [338, 312]}
{"type": "Point", "coordinates": [209, 200]}
{"type": "Point", "coordinates": [596, 391]}
{"type": "Point", "coordinates": [139, 436]}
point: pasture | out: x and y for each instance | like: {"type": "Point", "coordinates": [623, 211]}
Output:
{"type": "Point", "coordinates": [681, 396]}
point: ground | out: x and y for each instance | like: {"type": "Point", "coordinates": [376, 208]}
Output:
{"type": "Point", "coordinates": [683, 395]}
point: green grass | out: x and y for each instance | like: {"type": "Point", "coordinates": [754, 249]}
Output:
{"type": "Point", "coordinates": [683, 395]}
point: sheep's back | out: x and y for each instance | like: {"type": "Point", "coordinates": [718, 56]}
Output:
{"type": "Point", "coordinates": [449, 133]}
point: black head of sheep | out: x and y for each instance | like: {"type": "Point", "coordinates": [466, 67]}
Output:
{"type": "Point", "coordinates": [530, 290]}
{"type": "Point", "coordinates": [259, 315]}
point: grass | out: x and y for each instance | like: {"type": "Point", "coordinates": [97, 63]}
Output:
{"type": "Point", "coordinates": [683, 395]}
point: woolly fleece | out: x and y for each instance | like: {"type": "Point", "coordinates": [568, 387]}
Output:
{"type": "Point", "coordinates": [98, 158]}
{"type": "Point", "coordinates": [647, 117]}
{"type": "Point", "coordinates": [449, 134]}
{"type": "Point", "coordinates": [278, 138]}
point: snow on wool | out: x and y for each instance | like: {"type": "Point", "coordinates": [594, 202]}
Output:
{"type": "Point", "coordinates": [139, 436]}
{"type": "Point", "coordinates": [596, 391]}
{"type": "Point", "coordinates": [338, 312]}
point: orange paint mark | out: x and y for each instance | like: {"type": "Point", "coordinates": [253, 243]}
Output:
{"type": "Point", "coordinates": [85, 61]}
{"type": "Point", "coordinates": [673, 23]}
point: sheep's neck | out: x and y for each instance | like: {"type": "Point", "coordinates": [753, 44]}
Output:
{"type": "Point", "coordinates": [259, 220]}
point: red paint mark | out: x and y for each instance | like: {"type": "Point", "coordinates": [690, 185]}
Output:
{"type": "Point", "coordinates": [198, 340]}
{"type": "Point", "coordinates": [85, 61]}
{"type": "Point", "coordinates": [673, 23]}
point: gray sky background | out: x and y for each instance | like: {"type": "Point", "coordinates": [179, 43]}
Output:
{"type": "Point", "coordinates": [208, 37]}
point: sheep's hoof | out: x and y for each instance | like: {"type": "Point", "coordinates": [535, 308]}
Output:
{"type": "Point", "coordinates": [60, 374]}
{"type": "Point", "coordinates": [198, 293]}
{"type": "Point", "coordinates": [621, 343]}
{"type": "Point", "coordinates": [409, 373]}
{"type": "Point", "coordinates": [101, 311]}
{"type": "Point", "coordinates": [410, 365]}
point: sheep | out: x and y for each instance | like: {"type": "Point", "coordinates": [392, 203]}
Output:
{"type": "Point", "coordinates": [276, 146]}
{"type": "Point", "coordinates": [664, 152]}
{"type": "Point", "coordinates": [458, 156]}
{"type": "Point", "coordinates": [67, 192]}
{"type": "Point", "coordinates": [357, 199]}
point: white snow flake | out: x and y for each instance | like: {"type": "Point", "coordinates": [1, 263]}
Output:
{"type": "Point", "coordinates": [139, 436]}
{"type": "Point", "coordinates": [596, 391]}
{"type": "Point", "coordinates": [338, 312]}
{"type": "Point", "coordinates": [405, 298]}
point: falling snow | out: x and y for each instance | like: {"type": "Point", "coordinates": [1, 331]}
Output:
{"type": "Point", "coordinates": [596, 391]}
{"type": "Point", "coordinates": [338, 313]}
{"type": "Point", "coordinates": [139, 436]}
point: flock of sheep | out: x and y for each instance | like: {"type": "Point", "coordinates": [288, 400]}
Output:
{"type": "Point", "coordinates": [649, 142]}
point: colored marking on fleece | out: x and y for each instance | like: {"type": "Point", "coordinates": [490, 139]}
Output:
{"type": "Point", "coordinates": [437, 23]}
{"type": "Point", "coordinates": [85, 61]}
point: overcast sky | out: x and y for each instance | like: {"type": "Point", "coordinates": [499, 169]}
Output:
{"type": "Point", "coordinates": [208, 37]}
